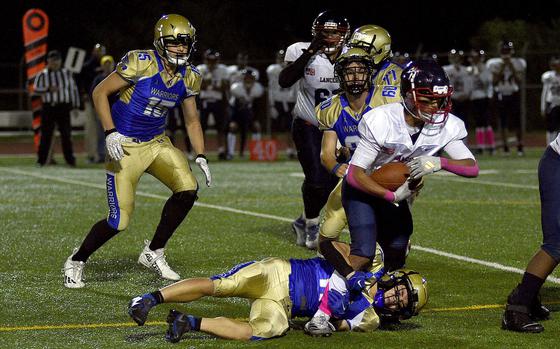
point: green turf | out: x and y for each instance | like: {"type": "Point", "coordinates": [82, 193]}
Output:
{"type": "Point", "coordinates": [45, 212]}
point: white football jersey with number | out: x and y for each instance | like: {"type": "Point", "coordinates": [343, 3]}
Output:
{"type": "Point", "coordinates": [385, 137]}
{"type": "Point", "coordinates": [216, 77]}
{"type": "Point", "coordinates": [481, 79]}
{"type": "Point", "coordinates": [317, 84]}
{"type": "Point", "coordinates": [551, 89]}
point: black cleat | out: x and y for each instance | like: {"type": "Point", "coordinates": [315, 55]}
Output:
{"type": "Point", "coordinates": [139, 307]}
{"type": "Point", "coordinates": [538, 311]}
{"type": "Point", "coordinates": [178, 326]}
{"type": "Point", "coordinates": [516, 318]}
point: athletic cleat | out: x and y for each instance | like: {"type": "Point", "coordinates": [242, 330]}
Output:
{"type": "Point", "coordinates": [178, 326]}
{"type": "Point", "coordinates": [73, 272]}
{"type": "Point", "coordinates": [298, 226]}
{"type": "Point", "coordinates": [139, 307]}
{"type": "Point", "coordinates": [319, 326]}
{"type": "Point", "coordinates": [538, 311]}
{"type": "Point", "coordinates": [516, 318]}
{"type": "Point", "coordinates": [155, 260]}
{"type": "Point", "coordinates": [312, 237]}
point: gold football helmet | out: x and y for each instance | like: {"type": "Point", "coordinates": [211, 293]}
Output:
{"type": "Point", "coordinates": [374, 40]}
{"type": "Point", "coordinates": [174, 30]}
{"type": "Point", "coordinates": [417, 293]}
{"type": "Point", "coordinates": [357, 78]}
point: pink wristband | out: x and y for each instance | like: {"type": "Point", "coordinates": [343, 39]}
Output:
{"type": "Point", "coordinates": [389, 196]}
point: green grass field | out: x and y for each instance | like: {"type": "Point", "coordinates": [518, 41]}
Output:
{"type": "Point", "coordinates": [472, 239]}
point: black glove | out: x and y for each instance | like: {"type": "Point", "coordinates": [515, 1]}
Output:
{"type": "Point", "coordinates": [318, 43]}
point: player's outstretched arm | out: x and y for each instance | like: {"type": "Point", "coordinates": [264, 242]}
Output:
{"type": "Point", "coordinates": [196, 136]}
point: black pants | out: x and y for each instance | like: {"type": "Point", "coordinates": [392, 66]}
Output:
{"type": "Point", "coordinates": [60, 115]}
{"type": "Point", "coordinates": [318, 182]}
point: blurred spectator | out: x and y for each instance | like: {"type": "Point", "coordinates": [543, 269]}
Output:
{"type": "Point", "coordinates": [461, 81]}
{"type": "Point", "coordinates": [481, 79]}
{"type": "Point", "coordinates": [90, 69]}
{"type": "Point", "coordinates": [243, 96]}
{"type": "Point", "coordinates": [550, 99]}
{"type": "Point", "coordinates": [236, 71]}
{"type": "Point", "coordinates": [59, 94]}
{"type": "Point", "coordinates": [281, 102]}
{"type": "Point", "coordinates": [213, 96]}
{"type": "Point", "coordinates": [107, 66]}
{"type": "Point", "coordinates": [507, 74]}
{"type": "Point", "coordinates": [401, 58]}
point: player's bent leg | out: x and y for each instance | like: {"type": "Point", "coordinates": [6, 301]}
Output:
{"type": "Point", "coordinates": [226, 328]}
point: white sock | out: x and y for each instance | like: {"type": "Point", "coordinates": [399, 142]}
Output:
{"type": "Point", "coordinates": [321, 313]}
{"type": "Point", "coordinates": [231, 138]}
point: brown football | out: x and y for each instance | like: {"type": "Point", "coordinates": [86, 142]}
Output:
{"type": "Point", "coordinates": [391, 175]}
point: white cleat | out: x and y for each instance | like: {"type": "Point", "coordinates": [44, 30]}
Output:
{"type": "Point", "coordinates": [155, 260]}
{"type": "Point", "coordinates": [319, 326]}
{"type": "Point", "coordinates": [73, 272]}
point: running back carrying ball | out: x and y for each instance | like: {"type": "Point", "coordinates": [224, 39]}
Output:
{"type": "Point", "coordinates": [391, 175]}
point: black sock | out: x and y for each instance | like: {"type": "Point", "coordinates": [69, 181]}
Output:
{"type": "Point", "coordinates": [100, 233]}
{"type": "Point", "coordinates": [195, 322]}
{"type": "Point", "coordinates": [158, 296]}
{"type": "Point", "coordinates": [174, 212]}
{"type": "Point", "coordinates": [526, 292]}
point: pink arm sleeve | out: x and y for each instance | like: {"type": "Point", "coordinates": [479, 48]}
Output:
{"type": "Point", "coordinates": [465, 171]}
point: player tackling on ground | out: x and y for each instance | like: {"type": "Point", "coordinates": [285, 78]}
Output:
{"type": "Point", "coordinates": [149, 83]}
{"type": "Point", "coordinates": [280, 290]}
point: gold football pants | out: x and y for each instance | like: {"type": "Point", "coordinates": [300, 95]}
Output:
{"type": "Point", "coordinates": [157, 157]}
{"type": "Point", "coordinates": [335, 217]}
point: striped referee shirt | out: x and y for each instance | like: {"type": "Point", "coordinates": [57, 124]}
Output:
{"type": "Point", "coordinates": [67, 91]}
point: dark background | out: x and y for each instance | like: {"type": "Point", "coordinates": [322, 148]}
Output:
{"type": "Point", "coordinates": [262, 27]}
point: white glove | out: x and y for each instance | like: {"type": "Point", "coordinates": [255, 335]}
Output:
{"type": "Point", "coordinates": [203, 164]}
{"type": "Point", "coordinates": [403, 192]}
{"type": "Point", "coordinates": [423, 165]}
{"type": "Point", "coordinates": [113, 143]}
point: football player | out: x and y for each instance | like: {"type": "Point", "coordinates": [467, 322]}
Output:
{"type": "Point", "coordinates": [414, 131]}
{"type": "Point", "coordinates": [213, 96]}
{"type": "Point", "coordinates": [523, 307]}
{"type": "Point", "coordinates": [311, 65]}
{"type": "Point", "coordinates": [149, 83]}
{"type": "Point", "coordinates": [281, 289]}
{"type": "Point", "coordinates": [481, 79]}
{"type": "Point", "coordinates": [281, 102]}
{"type": "Point", "coordinates": [368, 79]}
{"type": "Point", "coordinates": [550, 99]}
{"type": "Point", "coordinates": [507, 73]}
{"type": "Point", "coordinates": [462, 84]}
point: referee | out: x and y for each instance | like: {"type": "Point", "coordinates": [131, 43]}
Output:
{"type": "Point", "coordinates": [59, 94]}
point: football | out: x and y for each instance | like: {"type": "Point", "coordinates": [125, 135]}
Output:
{"type": "Point", "coordinates": [391, 175]}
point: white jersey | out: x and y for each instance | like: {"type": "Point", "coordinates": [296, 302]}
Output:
{"type": "Point", "coordinates": [481, 79]}
{"type": "Point", "coordinates": [243, 96]}
{"type": "Point", "coordinates": [507, 86]}
{"type": "Point", "coordinates": [551, 90]}
{"type": "Point", "coordinates": [215, 78]}
{"type": "Point", "coordinates": [275, 92]}
{"type": "Point", "coordinates": [317, 84]}
{"type": "Point", "coordinates": [385, 137]}
{"type": "Point", "coordinates": [460, 79]}
{"type": "Point", "coordinates": [234, 73]}
{"type": "Point", "coordinates": [555, 144]}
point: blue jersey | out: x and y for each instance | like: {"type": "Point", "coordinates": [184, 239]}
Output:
{"type": "Point", "coordinates": [142, 107]}
{"type": "Point", "coordinates": [308, 280]}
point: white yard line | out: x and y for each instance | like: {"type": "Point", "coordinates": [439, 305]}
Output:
{"type": "Point", "coordinates": [284, 219]}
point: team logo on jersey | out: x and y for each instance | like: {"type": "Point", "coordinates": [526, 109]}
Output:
{"type": "Point", "coordinates": [442, 90]}
{"type": "Point", "coordinates": [332, 80]}
{"type": "Point", "coordinates": [326, 104]}
{"type": "Point", "coordinates": [310, 71]}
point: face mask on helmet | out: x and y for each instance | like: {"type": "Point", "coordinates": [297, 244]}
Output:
{"type": "Point", "coordinates": [174, 39]}
{"type": "Point", "coordinates": [401, 294]}
{"type": "Point", "coordinates": [334, 27]}
{"type": "Point", "coordinates": [354, 74]}
{"type": "Point", "coordinates": [426, 92]}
